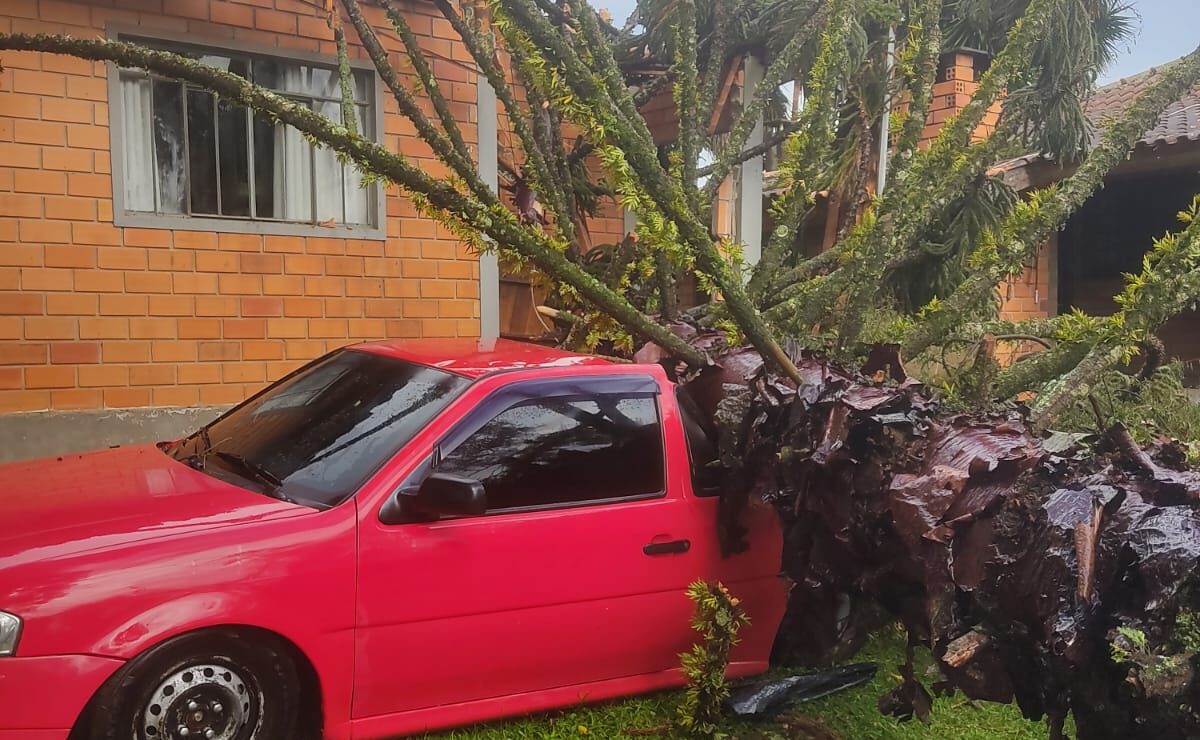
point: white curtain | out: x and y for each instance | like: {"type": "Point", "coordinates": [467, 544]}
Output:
{"type": "Point", "coordinates": [138, 149]}
{"type": "Point", "coordinates": [340, 197]}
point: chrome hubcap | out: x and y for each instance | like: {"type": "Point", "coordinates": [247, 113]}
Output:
{"type": "Point", "coordinates": [209, 702]}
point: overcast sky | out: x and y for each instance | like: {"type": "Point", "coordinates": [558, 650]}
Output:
{"type": "Point", "coordinates": [1168, 29]}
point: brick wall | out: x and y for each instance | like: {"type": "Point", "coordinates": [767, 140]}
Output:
{"type": "Point", "coordinates": [97, 316]}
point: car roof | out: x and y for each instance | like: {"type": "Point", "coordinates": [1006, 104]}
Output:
{"type": "Point", "coordinates": [475, 358]}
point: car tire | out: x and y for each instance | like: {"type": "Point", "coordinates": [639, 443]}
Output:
{"type": "Point", "coordinates": [228, 685]}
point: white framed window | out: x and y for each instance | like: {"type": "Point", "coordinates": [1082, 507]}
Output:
{"type": "Point", "coordinates": [184, 158]}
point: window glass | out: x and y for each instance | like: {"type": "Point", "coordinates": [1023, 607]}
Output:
{"type": "Point", "coordinates": [564, 451]}
{"type": "Point", "coordinates": [707, 471]}
{"type": "Point", "coordinates": [187, 153]}
{"type": "Point", "coordinates": [323, 431]}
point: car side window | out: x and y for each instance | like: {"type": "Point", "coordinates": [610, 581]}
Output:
{"type": "Point", "coordinates": [563, 451]}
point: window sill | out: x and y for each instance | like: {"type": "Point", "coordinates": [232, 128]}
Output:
{"type": "Point", "coordinates": [237, 226]}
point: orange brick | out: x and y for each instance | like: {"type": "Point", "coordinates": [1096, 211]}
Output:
{"type": "Point", "coordinates": [262, 350]}
{"type": "Point", "coordinates": [303, 264]}
{"type": "Point", "coordinates": [175, 396]}
{"type": "Point", "coordinates": [71, 209]}
{"type": "Point", "coordinates": [49, 377]}
{"type": "Point", "coordinates": [163, 259]}
{"type": "Point", "coordinates": [343, 308]}
{"type": "Point", "coordinates": [344, 266]}
{"type": "Point", "coordinates": [306, 307]}
{"type": "Point", "coordinates": [199, 329]}
{"type": "Point", "coordinates": [91, 186]}
{"type": "Point", "coordinates": [127, 351]}
{"type": "Point", "coordinates": [367, 328]}
{"type": "Point", "coordinates": [262, 263]}
{"type": "Point", "coordinates": [96, 376]}
{"type": "Point", "coordinates": [12, 401]}
{"type": "Point", "coordinates": [126, 398]}
{"type": "Point", "coordinates": [174, 351]}
{"type": "Point", "coordinates": [172, 305]}
{"type": "Point", "coordinates": [388, 308]}
{"type": "Point", "coordinates": [86, 137]}
{"type": "Point", "coordinates": [199, 374]}
{"type": "Point", "coordinates": [262, 307]}
{"type": "Point", "coordinates": [232, 14]}
{"type": "Point", "coordinates": [456, 309]}
{"type": "Point", "coordinates": [70, 257]}
{"type": "Point", "coordinates": [325, 286]}
{"type": "Point", "coordinates": [288, 244]}
{"type": "Point", "coordinates": [383, 267]}
{"type": "Point", "coordinates": [103, 328]}
{"type": "Point", "coordinates": [274, 21]}
{"type": "Point", "coordinates": [326, 245]}
{"type": "Point", "coordinates": [439, 328]}
{"type": "Point", "coordinates": [210, 306]}
{"type": "Point", "coordinates": [67, 110]}
{"type": "Point", "coordinates": [39, 132]}
{"type": "Point", "coordinates": [74, 353]}
{"type": "Point", "coordinates": [20, 155]}
{"type": "Point", "coordinates": [219, 395]}
{"type": "Point", "coordinates": [26, 206]}
{"type": "Point", "coordinates": [284, 285]}
{"type": "Point", "coordinates": [229, 242]}
{"type": "Point", "coordinates": [22, 106]}
{"type": "Point", "coordinates": [327, 328]}
{"type": "Point", "coordinates": [147, 238]}
{"type": "Point", "coordinates": [153, 328]}
{"type": "Point", "coordinates": [304, 349]}
{"type": "Point", "coordinates": [95, 233]}
{"type": "Point", "coordinates": [55, 327]}
{"type": "Point", "coordinates": [189, 283]}
{"type": "Point", "coordinates": [287, 328]}
{"type": "Point", "coordinates": [195, 240]}
{"type": "Point", "coordinates": [37, 181]}
{"type": "Point", "coordinates": [10, 379]}
{"type": "Point", "coordinates": [151, 374]}
{"type": "Point", "coordinates": [99, 281]}
{"type": "Point", "coordinates": [21, 353]}
{"type": "Point", "coordinates": [147, 282]}
{"type": "Point", "coordinates": [244, 372]}
{"type": "Point", "coordinates": [420, 309]}
{"type": "Point", "coordinates": [276, 370]}
{"type": "Point", "coordinates": [240, 284]}
{"type": "Point", "coordinates": [364, 287]}
{"type": "Point", "coordinates": [437, 289]}
{"type": "Point", "coordinates": [46, 279]}
{"type": "Point", "coordinates": [121, 258]}
{"type": "Point", "coordinates": [20, 304]}
{"type": "Point", "coordinates": [244, 328]}
{"type": "Point", "coordinates": [120, 304]}
{"type": "Point", "coordinates": [74, 399]}
{"type": "Point", "coordinates": [44, 232]}
{"type": "Point", "coordinates": [216, 262]}
{"type": "Point", "coordinates": [402, 289]}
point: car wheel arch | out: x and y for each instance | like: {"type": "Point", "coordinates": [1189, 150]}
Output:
{"type": "Point", "coordinates": [311, 696]}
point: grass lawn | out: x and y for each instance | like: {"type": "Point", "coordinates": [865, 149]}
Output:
{"type": "Point", "coordinates": [850, 715]}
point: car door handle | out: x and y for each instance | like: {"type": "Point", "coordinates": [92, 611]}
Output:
{"type": "Point", "coordinates": [667, 548]}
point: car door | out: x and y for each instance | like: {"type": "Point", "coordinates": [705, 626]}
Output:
{"type": "Point", "coordinates": [575, 575]}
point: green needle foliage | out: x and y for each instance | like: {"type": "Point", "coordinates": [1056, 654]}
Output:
{"type": "Point", "coordinates": [718, 618]}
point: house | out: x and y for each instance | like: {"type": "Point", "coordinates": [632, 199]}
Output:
{"type": "Point", "coordinates": [163, 255]}
{"type": "Point", "coordinates": [1083, 265]}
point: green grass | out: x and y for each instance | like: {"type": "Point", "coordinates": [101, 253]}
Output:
{"type": "Point", "coordinates": [850, 715]}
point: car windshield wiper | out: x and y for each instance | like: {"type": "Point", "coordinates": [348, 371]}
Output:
{"type": "Point", "coordinates": [249, 466]}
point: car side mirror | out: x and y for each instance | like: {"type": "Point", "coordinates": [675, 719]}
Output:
{"type": "Point", "coordinates": [440, 494]}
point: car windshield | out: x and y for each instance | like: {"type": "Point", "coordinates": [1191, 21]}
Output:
{"type": "Point", "coordinates": [317, 435]}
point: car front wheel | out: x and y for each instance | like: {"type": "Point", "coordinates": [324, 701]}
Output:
{"type": "Point", "coordinates": [219, 686]}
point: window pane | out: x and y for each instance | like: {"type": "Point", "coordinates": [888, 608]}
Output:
{"type": "Point", "coordinates": [265, 168]}
{"type": "Point", "coordinates": [138, 162]}
{"type": "Point", "coordinates": [266, 73]}
{"type": "Point", "coordinates": [327, 171]}
{"type": "Point", "coordinates": [168, 146]}
{"type": "Point", "coordinates": [202, 152]}
{"type": "Point", "coordinates": [235, 168]}
{"type": "Point", "coordinates": [359, 200]}
{"type": "Point", "coordinates": [362, 86]}
{"type": "Point", "coordinates": [563, 451]}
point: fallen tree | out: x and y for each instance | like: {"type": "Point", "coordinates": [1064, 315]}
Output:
{"type": "Point", "coordinates": [1037, 568]}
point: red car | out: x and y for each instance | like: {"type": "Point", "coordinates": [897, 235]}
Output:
{"type": "Point", "coordinates": [395, 538]}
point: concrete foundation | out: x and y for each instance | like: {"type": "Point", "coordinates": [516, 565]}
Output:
{"type": "Point", "coordinates": [47, 433]}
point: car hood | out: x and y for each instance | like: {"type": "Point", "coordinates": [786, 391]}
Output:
{"type": "Point", "coordinates": [65, 506]}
